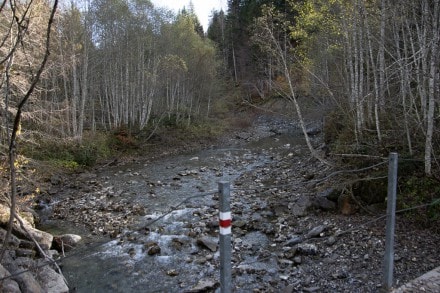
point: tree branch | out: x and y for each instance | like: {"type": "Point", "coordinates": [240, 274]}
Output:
{"type": "Point", "coordinates": [16, 126]}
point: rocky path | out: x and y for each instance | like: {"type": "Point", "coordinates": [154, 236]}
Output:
{"type": "Point", "coordinates": [289, 234]}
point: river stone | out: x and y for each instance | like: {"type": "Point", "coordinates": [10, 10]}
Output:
{"type": "Point", "coordinates": [289, 289]}
{"type": "Point", "coordinates": [13, 241]}
{"type": "Point", "coordinates": [44, 239]}
{"type": "Point", "coordinates": [208, 242]}
{"type": "Point", "coordinates": [132, 252]}
{"type": "Point", "coordinates": [255, 240]}
{"type": "Point", "coordinates": [315, 232]}
{"type": "Point", "coordinates": [25, 252]}
{"type": "Point", "coordinates": [172, 273]}
{"type": "Point", "coordinates": [290, 253]}
{"type": "Point", "coordinates": [340, 274]}
{"type": "Point", "coordinates": [324, 203]}
{"type": "Point", "coordinates": [27, 282]}
{"type": "Point", "coordinates": [28, 216]}
{"type": "Point", "coordinates": [26, 244]}
{"type": "Point", "coordinates": [307, 249]}
{"type": "Point", "coordinates": [65, 242]}
{"type": "Point", "coordinates": [153, 250]}
{"type": "Point", "coordinates": [331, 240]}
{"type": "Point", "coordinates": [8, 285]}
{"type": "Point", "coordinates": [302, 205]}
{"type": "Point", "coordinates": [53, 282]}
{"type": "Point", "coordinates": [201, 260]}
{"type": "Point", "coordinates": [239, 223]}
{"type": "Point", "coordinates": [203, 286]}
{"type": "Point", "coordinates": [330, 194]}
{"type": "Point", "coordinates": [312, 289]}
{"type": "Point", "coordinates": [314, 130]}
{"type": "Point", "coordinates": [295, 240]}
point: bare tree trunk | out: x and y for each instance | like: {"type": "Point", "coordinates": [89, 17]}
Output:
{"type": "Point", "coordinates": [382, 53]}
{"type": "Point", "coordinates": [84, 95]}
{"type": "Point", "coordinates": [354, 69]}
{"type": "Point", "coordinates": [293, 99]}
{"type": "Point", "coordinates": [376, 87]}
{"type": "Point", "coordinates": [235, 64]}
{"type": "Point", "coordinates": [421, 22]}
{"type": "Point", "coordinates": [75, 98]}
{"type": "Point", "coordinates": [361, 76]}
{"type": "Point", "coordinates": [432, 89]}
{"type": "Point", "coordinates": [280, 53]}
{"type": "Point", "coordinates": [65, 88]}
{"type": "Point", "coordinates": [379, 101]}
{"type": "Point", "coordinates": [416, 61]}
{"type": "Point", "coordinates": [404, 80]}
{"type": "Point", "coordinates": [7, 92]}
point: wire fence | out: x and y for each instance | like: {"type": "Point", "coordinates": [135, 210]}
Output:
{"type": "Point", "coordinates": [177, 206]}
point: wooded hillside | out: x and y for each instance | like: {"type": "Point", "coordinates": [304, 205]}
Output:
{"type": "Point", "coordinates": [373, 64]}
{"type": "Point", "coordinates": [113, 63]}
{"type": "Point", "coordinates": [125, 64]}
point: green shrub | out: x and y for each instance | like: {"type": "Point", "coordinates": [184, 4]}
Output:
{"type": "Point", "coordinates": [420, 191]}
{"type": "Point", "coordinates": [70, 153]}
{"type": "Point", "coordinates": [71, 165]}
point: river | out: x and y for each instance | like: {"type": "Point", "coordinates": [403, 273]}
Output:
{"type": "Point", "coordinates": [129, 263]}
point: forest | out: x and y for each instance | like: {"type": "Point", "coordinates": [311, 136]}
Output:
{"type": "Point", "coordinates": [374, 64]}
{"type": "Point", "coordinates": [71, 73]}
{"type": "Point", "coordinates": [91, 85]}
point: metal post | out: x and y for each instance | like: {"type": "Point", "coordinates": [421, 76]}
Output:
{"type": "Point", "coordinates": [225, 237]}
{"type": "Point", "coordinates": [391, 219]}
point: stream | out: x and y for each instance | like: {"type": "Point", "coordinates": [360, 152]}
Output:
{"type": "Point", "coordinates": [178, 252]}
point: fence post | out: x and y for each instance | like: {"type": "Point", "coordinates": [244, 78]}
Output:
{"type": "Point", "coordinates": [225, 237]}
{"type": "Point", "coordinates": [391, 219]}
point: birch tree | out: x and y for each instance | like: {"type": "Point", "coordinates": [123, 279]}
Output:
{"type": "Point", "coordinates": [266, 36]}
{"type": "Point", "coordinates": [392, 56]}
{"type": "Point", "coordinates": [433, 90]}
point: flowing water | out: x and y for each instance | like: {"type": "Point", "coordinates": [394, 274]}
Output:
{"type": "Point", "coordinates": [123, 264]}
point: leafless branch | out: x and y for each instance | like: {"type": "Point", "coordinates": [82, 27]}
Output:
{"type": "Point", "coordinates": [16, 126]}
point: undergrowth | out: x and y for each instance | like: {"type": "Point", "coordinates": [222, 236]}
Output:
{"type": "Point", "coordinates": [70, 153]}
{"type": "Point", "coordinates": [423, 191]}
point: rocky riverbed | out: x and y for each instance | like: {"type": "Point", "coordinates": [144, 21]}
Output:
{"type": "Point", "coordinates": [151, 225]}
{"type": "Point", "coordinates": [27, 261]}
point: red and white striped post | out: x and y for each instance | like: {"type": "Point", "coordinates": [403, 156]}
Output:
{"type": "Point", "coordinates": [225, 223]}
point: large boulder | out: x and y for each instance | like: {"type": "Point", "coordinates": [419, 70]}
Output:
{"type": "Point", "coordinates": [31, 273]}
{"type": "Point", "coordinates": [53, 282]}
{"type": "Point", "coordinates": [26, 280]}
{"type": "Point", "coordinates": [8, 285]}
{"type": "Point", "coordinates": [13, 240]}
{"type": "Point", "coordinates": [43, 239]}
{"type": "Point", "coordinates": [27, 230]}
